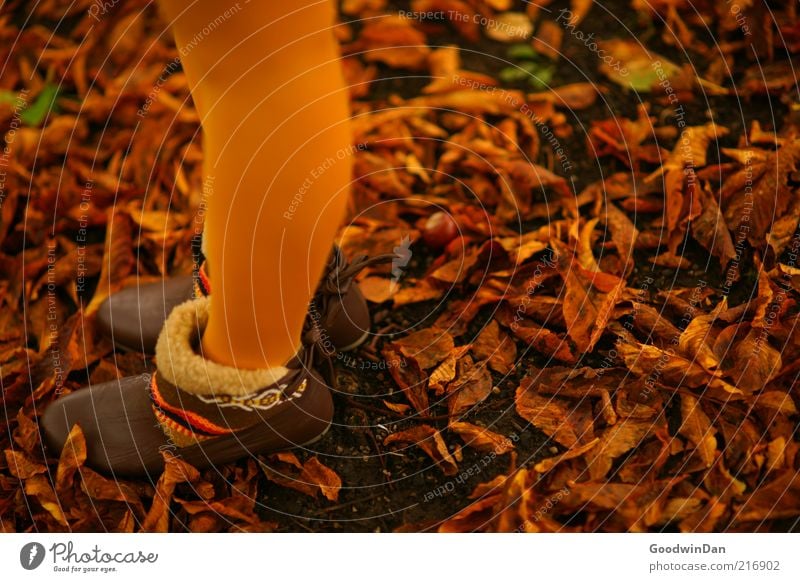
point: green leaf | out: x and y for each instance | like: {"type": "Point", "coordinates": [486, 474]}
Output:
{"type": "Point", "coordinates": [41, 107]}
{"type": "Point", "coordinates": [541, 78]}
{"type": "Point", "coordinates": [513, 74]}
{"type": "Point", "coordinates": [8, 97]}
{"type": "Point", "coordinates": [537, 75]}
{"type": "Point", "coordinates": [521, 51]}
{"type": "Point", "coordinates": [628, 64]}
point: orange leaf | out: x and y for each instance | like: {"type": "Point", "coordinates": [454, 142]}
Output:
{"type": "Point", "coordinates": [497, 347]}
{"type": "Point", "coordinates": [430, 441]}
{"type": "Point", "coordinates": [556, 417]}
{"type": "Point", "coordinates": [394, 41]}
{"type": "Point", "coordinates": [472, 385]}
{"type": "Point", "coordinates": [325, 478]}
{"type": "Point", "coordinates": [175, 471]}
{"type": "Point", "coordinates": [98, 487]}
{"type": "Point", "coordinates": [73, 455]}
{"type": "Point", "coordinates": [399, 408]}
{"type": "Point", "coordinates": [21, 466]}
{"type": "Point", "coordinates": [39, 487]}
{"type": "Point", "coordinates": [481, 438]}
{"type": "Point", "coordinates": [427, 347]}
{"type": "Point", "coordinates": [411, 380]}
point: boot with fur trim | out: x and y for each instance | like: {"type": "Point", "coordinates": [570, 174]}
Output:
{"type": "Point", "coordinates": [204, 412]}
{"type": "Point", "coordinates": [133, 317]}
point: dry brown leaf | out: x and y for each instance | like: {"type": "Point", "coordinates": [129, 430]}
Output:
{"type": "Point", "coordinates": [101, 488]}
{"type": "Point", "coordinates": [475, 516]}
{"type": "Point", "coordinates": [27, 433]}
{"type": "Point", "coordinates": [444, 373]}
{"type": "Point", "coordinates": [39, 487]}
{"type": "Point", "coordinates": [776, 400]}
{"type": "Point", "coordinates": [472, 385]}
{"type": "Point", "coordinates": [415, 292]}
{"type": "Point", "coordinates": [553, 416]}
{"type": "Point", "coordinates": [541, 338]}
{"type": "Point", "coordinates": [430, 441]}
{"type": "Point", "coordinates": [394, 41]}
{"type": "Point", "coordinates": [399, 408]}
{"type": "Point", "coordinates": [426, 347]}
{"type": "Point", "coordinates": [411, 380]}
{"type": "Point", "coordinates": [758, 194]}
{"type": "Point", "coordinates": [579, 9]}
{"type": "Point", "coordinates": [118, 259]}
{"type": "Point", "coordinates": [623, 233]}
{"type": "Point", "coordinates": [747, 357]}
{"type": "Point", "coordinates": [776, 499]}
{"type": "Point", "coordinates": [495, 346]}
{"type": "Point", "coordinates": [21, 466]}
{"type": "Point", "coordinates": [481, 438]}
{"type": "Point", "coordinates": [238, 509]}
{"type": "Point", "coordinates": [710, 229]}
{"type": "Point", "coordinates": [310, 478]}
{"type": "Point", "coordinates": [549, 464]}
{"type": "Point", "coordinates": [176, 471]}
{"type": "Point", "coordinates": [325, 478]}
{"type": "Point", "coordinates": [509, 27]}
{"type": "Point", "coordinates": [629, 64]}
{"type": "Point", "coordinates": [377, 289]}
{"type": "Point", "coordinates": [547, 39]}
{"type": "Point", "coordinates": [73, 455]}
{"type": "Point", "coordinates": [696, 426]}
{"type": "Point", "coordinates": [589, 299]}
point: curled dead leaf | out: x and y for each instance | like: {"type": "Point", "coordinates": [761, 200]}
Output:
{"type": "Point", "coordinates": [482, 439]}
{"type": "Point", "coordinates": [429, 440]}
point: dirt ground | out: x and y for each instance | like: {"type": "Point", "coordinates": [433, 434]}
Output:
{"type": "Point", "coordinates": [399, 499]}
{"type": "Point", "coordinates": [386, 486]}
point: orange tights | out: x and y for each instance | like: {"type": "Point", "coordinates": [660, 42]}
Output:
{"type": "Point", "coordinates": [266, 80]}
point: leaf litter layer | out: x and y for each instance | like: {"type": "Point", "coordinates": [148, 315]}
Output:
{"type": "Point", "coordinates": [596, 329]}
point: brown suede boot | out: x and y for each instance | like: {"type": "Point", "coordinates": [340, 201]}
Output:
{"type": "Point", "coordinates": [204, 412]}
{"type": "Point", "coordinates": [133, 317]}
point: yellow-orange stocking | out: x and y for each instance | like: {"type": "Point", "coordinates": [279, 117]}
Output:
{"type": "Point", "coordinates": [267, 82]}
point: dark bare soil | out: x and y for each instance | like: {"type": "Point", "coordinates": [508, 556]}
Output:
{"type": "Point", "coordinates": [385, 490]}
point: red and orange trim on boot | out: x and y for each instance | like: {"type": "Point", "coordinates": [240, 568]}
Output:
{"type": "Point", "coordinates": [182, 426]}
{"type": "Point", "coordinates": [195, 399]}
{"type": "Point", "coordinates": [202, 284]}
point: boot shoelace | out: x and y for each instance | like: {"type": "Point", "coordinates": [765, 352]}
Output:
{"type": "Point", "coordinates": [339, 277]}
{"type": "Point", "coordinates": [336, 283]}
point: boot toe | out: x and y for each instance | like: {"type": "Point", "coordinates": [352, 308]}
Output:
{"type": "Point", "coordinates": [134, 316]}
{"type": "Point", "coordinates": [350, 325]}
{"type": "Point", "coordinates": [122, 435]}
{"type": "Point", "coordinates": [124, 439]}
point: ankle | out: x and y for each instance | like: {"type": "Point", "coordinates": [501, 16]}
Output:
{"type": "Point", "coordinates": [189, 390]}
{"type": "Point", "coordinates": [251, 358]}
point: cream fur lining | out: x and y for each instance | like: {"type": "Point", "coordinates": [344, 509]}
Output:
{"type": "Point", "coordinates": [180, 365]}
